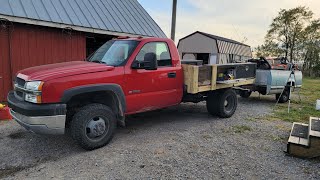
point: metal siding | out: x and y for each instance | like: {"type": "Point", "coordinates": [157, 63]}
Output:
{"type": "Point", "coordinates": [223, 47]}
{"type": "Point", "coordinates": [113, 14]}
{"type": "Point", "coordinates": [108, 21]}
{"type": "Point", "coordinates": [61, 12]}
{"type": "Point", "coordinates": [41, 11]}
{"type": "Point", "coordinates": [137, 17]}
{"type": "Point", "coordinates": [70, 12]}
{"type": "Point", "coordinates": [141, 17]}
{"type": "Point", "coordinates": [126, 16]}
{"type": "Point", "coordinates": [231, 48]}
{"type": "Point", "coordinates": [5, 75]}
{"type": "Point", "coordinates": [5, 8]}
{"type": "Point", "coordinates": [156, 29]}
{"type": "Point", "coordinates": [241, 50]}
{"type": "Point", "coordinates": [235, 49]}
{"type": "Point", "coordinates": [33, 46]}
{"type": "Point", "coordinates": [54, 16]}
{"type": "Point", "coordinates": [95, 15]}
{"type": "Point", "coordinates": [88, 15]}
{"type": "Point", "coordinates": [108, 16]}
{"type": "Point", "coordinates": [16, 8]}
{"type": "Point", "coordinates": [29, 9]}
{"type": "Point", "coordinates": [118, 15]}
{"type": "Point", "coordinates": [220, 46]}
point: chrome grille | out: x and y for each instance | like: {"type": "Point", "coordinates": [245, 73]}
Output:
{"type": "Point", "coordinates": [20, 83]}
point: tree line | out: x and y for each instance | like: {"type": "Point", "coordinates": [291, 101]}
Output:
{"type": "Point", "coordinates": [294, 34]}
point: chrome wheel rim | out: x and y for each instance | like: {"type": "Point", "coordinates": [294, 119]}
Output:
{"type": "Point", "coordinates": [96, 128]}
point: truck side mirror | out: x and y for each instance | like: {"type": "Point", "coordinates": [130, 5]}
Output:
{"type": "Point", "coordinates": [150, 61]}
{"type": "Point", "coordinates": [136, 65]}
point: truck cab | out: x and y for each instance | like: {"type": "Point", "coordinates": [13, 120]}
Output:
{"type": "Point", "coordinates": [124, 76]}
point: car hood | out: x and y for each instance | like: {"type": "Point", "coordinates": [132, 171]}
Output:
{"type": "Point", "coordinates": [59, 70]}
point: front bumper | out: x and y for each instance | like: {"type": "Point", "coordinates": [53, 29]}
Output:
{"type": "Point", "coordinates": [40, 119]}
{"type": "Point", "coordinates": [54, 125]}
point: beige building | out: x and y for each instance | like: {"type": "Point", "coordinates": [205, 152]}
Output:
{"type": "Point", "coordinates": [213, 49]}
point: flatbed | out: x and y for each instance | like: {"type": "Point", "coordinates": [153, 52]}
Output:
{"type": "Point", "coordinates": [199, 79]}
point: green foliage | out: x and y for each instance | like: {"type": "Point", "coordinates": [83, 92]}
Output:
{"type": "Point", "coordinates": [301, 111]}
{"type": "Point", "coordinates": [295, 34]}
{"type": "Point", "coordinates": [287, 29]}
{"type": "Point", "coordinates": [269, 49]}
{"type": "Point", "coordinates": [241, 128]}
{"type": "Point", "coordinates": [311, 51]}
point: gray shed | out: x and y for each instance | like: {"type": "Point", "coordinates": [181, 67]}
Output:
{"type": "Point", "coordinates": [213, 49]}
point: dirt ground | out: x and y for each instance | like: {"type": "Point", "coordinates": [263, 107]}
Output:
{"type": "Point", "coordinates": [181, 142]}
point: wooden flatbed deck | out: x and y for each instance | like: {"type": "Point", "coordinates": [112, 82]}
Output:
{"type": "Point", "coordinates": [204, 78]}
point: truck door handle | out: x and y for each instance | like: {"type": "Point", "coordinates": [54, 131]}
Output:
{"type": "Point", "coordinates": [172, 75]}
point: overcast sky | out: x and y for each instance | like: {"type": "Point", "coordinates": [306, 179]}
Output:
{"type": "Point", "coordinates": [242, 20]}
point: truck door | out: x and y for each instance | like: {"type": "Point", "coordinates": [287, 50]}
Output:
{"type": "Point", "coordinates": [153, 89]}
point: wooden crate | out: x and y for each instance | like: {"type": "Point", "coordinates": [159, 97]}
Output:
{"type": "Point", "coordinates": [204, 78]}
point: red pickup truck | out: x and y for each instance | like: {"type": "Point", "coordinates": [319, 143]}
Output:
{"type": "Point", "coordinates": [89, 98]}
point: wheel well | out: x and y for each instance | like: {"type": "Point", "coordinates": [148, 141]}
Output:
{"type": "Point", "coordinates": [107, 98]}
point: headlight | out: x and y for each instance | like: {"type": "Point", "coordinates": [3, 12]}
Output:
{"type": "Point", "coordinates": [33, 93]}
{"type": "Point", "coordinates": [33, 98]}
{"type": "Point", "coordinates": [34, 85]}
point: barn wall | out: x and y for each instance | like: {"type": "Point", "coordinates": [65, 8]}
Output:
{"type": "Point", "coordinates": [35, 45]}
{"type": "Point", "coordinates": [5, 75]}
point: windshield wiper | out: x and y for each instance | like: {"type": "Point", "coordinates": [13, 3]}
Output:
{"type": "Point", "coordinates": [98, 61]}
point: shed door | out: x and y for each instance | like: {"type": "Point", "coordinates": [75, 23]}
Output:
{"type": "Point", "coordinates": [5, 74]}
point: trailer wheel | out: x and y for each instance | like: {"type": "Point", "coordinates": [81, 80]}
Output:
{"type": "Point", "coordinates": [245, 94]}
{"type": "Point", "coordinates": [93, 126]}
{"type": "Point", "coordinates": [284, 97]}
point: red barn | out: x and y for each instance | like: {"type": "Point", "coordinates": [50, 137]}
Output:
{"type": "Point", "coordinates": [41, 32]}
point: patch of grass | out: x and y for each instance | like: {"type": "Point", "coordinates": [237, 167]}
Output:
{"type": "Point", "coordinates": [283, 128]}
{"type": "Point", "coordinates": [300, 111]}
{"type": "Point", "coordinates": [252, 119]}
{"type": "Point", "coordinates": [277, 138]}
{"type": "Point", "coordinates": [241, 128]}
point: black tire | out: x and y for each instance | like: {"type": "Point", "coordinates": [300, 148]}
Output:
{"type": "Point", "coordinates": [284, 96]}
{"type": "Point", "coordinates": [245, 94]}
{"type": "Point", "coordinates": [223, 103]}
{"type": "Point", "coordinates": [93, 126]}
{"type": "Point", "coordinates": [212, 105]}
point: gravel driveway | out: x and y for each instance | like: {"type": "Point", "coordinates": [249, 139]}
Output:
{"type": "Point", "coordinates": [181, 142]}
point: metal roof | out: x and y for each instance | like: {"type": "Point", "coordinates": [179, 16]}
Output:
{"type": "Point", "coordinates": [225, 45]}
{"type": "Point", "coordinates": [118, 17]}
{"type": "Point", "coordinates": [216, 37]}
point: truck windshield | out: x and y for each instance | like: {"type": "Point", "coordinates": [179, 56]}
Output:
{"type": "Point", "coordinates": [114, 53]}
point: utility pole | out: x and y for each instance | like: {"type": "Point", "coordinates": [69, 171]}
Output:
{"type": "Point", "coordinates": [174, 17]}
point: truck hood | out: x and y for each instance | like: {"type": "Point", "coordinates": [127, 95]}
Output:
{"type": "Point", "coordinates": [59, 70]}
